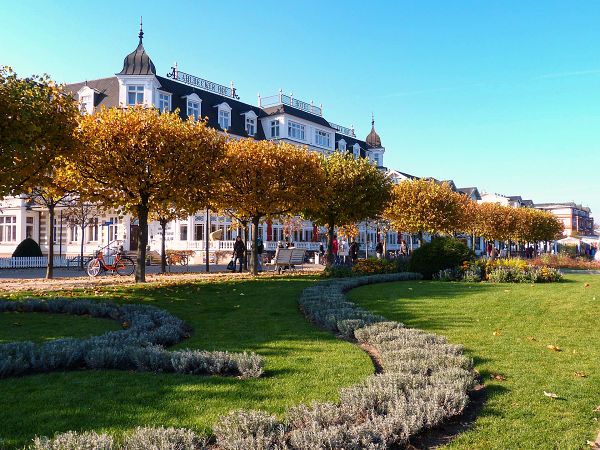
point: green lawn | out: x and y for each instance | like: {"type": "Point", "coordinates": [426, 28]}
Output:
{"type": "Point", "coordinates": [303, 364]}
{"type": "Point", "coordinates": [517, 414]}
{"type": "Point", "coordinates": [40, 327]}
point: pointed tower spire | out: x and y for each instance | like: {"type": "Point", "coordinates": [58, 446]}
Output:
{"type": "Point", "coordinates": [373, 140]}
{"type": "Point", "coordinates": [141, 33]}
{"type": "Point", "coordinates": [372, 120]}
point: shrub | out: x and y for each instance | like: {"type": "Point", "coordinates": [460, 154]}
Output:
{"type": "Point", "coordinates": [373, 266]}
{"type": "Point", "coordinates": [139, 346]}
{"type": "Point", "coordinates": [160, 438]}
{"type": "Point", "coordinates": [71, 440]}
{"type": "Point", "coordinates": [439, 254]}
{"type": "Point", "coordinates": [28, 248]}
{"type": "Point", "coordinates": [250, 429]}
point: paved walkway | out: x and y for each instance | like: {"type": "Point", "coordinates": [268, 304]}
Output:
{"type": "Point", "coordinates": [580, 272]}
{"type": "Point", "coordinates": [19, 280]}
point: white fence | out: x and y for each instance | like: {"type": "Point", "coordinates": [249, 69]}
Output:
{"type": "Point", "coordinates": [38, 261]}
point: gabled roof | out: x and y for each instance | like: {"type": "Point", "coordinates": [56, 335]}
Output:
{"type": "Point", "coordinates": [472, 192]}
{"type": "Point", "coordinates": [106, 91]}
{"type": "Point", "coordinates": [350, 141]}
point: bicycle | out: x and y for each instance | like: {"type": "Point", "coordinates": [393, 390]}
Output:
{"type": "Point", "coordinates": [123, 265]}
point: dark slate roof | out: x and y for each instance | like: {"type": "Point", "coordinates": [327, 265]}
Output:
{"type": "Point", "coordinates": [407, 175]}
{"type": "Point", "coordinates": [471, 192]}
{"type": "Point", "coordinates": [514, 198]}
{"type": "Point", "coordinates": [138, 63]}
{"type": "Point", "coordinates": [107, 91]}
{"type": "Point", "coordinates": [209, 101]}
{"type": "Point", "coordinates": [350, 141]}
{"type": "Point", "coordinates": [287, 109]}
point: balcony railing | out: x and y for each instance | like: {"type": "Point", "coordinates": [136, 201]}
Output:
{"type": "Point", "coordinates": [201, 83]}
{"type": "Point", "coordinates": [343, 130]}
{"type": "Point", "coordinates": [283, 99]}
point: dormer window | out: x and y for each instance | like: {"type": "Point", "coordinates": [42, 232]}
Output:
{"type": "Point", "coordinates": [193, 109]}
{"type": "Point", "coordinates": [87, 104]}
{"type": "Point", "coordinates": [322, 138]}
{"type": "Point", "coordinates": [135, 95]}
{"type": "Point", "coordinates": [250, 122]}
{"type": "Point", "coordinates": [164, 102]}
{"type": "Point", "coordinates": [342, 145]}
{"type": "Point", "coordinates": [193, 106]}
{"type": "Point", "coordinates": [250, 126]}
{"type": "Point", "coordinates": [356, 151]}
{"type": "Point", "coordinates": [224, 115]}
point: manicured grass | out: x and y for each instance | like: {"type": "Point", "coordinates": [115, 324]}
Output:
{"type": "Point", "coordinates": [517, 414]}
{"type": "Point", "coordinates": [40, 327]}
{"type": "Point", "coordinates": [303, 364]}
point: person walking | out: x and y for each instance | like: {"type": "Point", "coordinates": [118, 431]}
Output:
{"type": "Point", "coordinates": [353, 251]}
{"type": "Point", "coordinates": [334, 250]}
{"type": "Point", "coordinates": [238, 252]}
{"type": "Point", "coordinates": [260, 247]}
{"type": "Point", "coordinates": [379, 249]}
{"type": "Point", "coordinates": [342, 251]}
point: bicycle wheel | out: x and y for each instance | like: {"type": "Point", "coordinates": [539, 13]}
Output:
{"type": "Point", "coordinates": [93, 267]}
{"type": "Point", "coordinates": [125, 266]}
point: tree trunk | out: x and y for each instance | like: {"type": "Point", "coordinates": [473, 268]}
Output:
{"type": "Point", "coordinates": [420, 238]}
{"type": "Point", "coordinates": [50, 265]}
{"type": "Point", "coordinates": [245, 239]}
{"type": "Point", "coordinates": [473, 242]}
{"type": "Point", "coordinates": [255, 221]}
{"type": "Point", "coordinates": [81, 252]}
{"type": "Point", "coordinates": [330, 257]}
{"type": "Point", "coordinates": [509, 248]}
{"type": "Point", "coordinates": [163, 256]}
{"type": "Point", "coordinates": [140, 270]}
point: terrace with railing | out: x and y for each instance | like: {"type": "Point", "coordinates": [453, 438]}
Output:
{"type": "Point", "coordinates": [283, 99]}
{"type": "Point", "coordinates": [343, 130]}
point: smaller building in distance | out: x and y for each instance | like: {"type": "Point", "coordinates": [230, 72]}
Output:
{"type": "Point", "coordinates": [577, 219]}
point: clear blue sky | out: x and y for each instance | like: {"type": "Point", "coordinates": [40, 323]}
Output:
{"type": "Point", "coordinates": [502, 95]}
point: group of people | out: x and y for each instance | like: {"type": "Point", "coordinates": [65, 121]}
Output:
{"type": "Point", "coordinates": [239, 253]}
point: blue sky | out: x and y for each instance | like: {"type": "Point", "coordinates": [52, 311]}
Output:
{"type": "Point", "coordinates": [502, 95]}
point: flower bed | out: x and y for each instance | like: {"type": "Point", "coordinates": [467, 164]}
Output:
{"type": "Point", "coordinates": [566, 261]}
{"type": "Point", "coordinates": [140, 345]}
{"type": "Point", "coordinates": [500, 271]}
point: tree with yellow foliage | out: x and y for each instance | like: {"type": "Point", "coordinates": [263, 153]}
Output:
{"type": "Point", "coordinates": [37, 119]}
{"type": "Point", "coordinates": [268, 180]}
{"type": "Point", "coordinates": [139, 159]}
{"type": "Point", "coordinates": [424, 206]}
{"type": "Point", "coordinates": [353, 190]}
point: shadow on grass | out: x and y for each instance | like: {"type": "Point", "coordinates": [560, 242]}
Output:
{"type": "Point", "coordinates": [304, 363]}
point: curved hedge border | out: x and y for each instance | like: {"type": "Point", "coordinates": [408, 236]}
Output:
{"type": "Point", "coordinates": [425, 381]}
{"type": "Point", "coordinates": [140, 345]}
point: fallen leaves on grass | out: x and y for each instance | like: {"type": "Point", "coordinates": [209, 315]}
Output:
{"type": "Point", "coordinates": [530, 338]}
{"type": "Point", "coordinates": [17, 324]}
{"type": "Point", "coordinates": [597, 409]}
{"type": "Point", "coordinates": [553, 347]}
{"type": "Point", "coordinates": [496, 333]}
{"type": "Point", "coordinates": [550, 394]}
{"type": "Point", "coordinates": [593, 444]}
{"type": "Point", "coordinates": [497, 377]}
{"type": "Point", "coordinates": [586, 285]}
{"type": "Point", "coordinates": [580, 374]}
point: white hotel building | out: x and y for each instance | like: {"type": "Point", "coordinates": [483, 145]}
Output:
{"type": "Point", "coordinates": [277, 117]}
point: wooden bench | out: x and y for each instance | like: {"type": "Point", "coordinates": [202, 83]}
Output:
{"type": "Point", "coordinates": [287, 258]}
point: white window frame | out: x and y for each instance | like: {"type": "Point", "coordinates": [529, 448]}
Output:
{"type": "Point", "coordinates": [322, 138]}
{"type": "Point", "coordinates": [342, 145]}
{"type": "Point", "coordinates": [192, 101]}
{"type": "Point", "coordinates": [296, 131]}
{"type": "Point", "coordinates": [250, 122]}
{"type": "Point", "coordinates": [29, 226]}
{"type": "Point", "coordinates": [164, 101]}
{"type": "Point", "coordinates": [224, 115]}
{"type": "Point", "coordinates": [137, 90]}
{"type": "Point", "coordinates": [275, 129]}
{"type": "Point", "coordinates": [8, 228]}
{"type": "Point", "coordinates": [356, 151]}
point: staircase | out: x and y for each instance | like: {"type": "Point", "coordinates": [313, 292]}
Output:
{"type": "Point", "coordinates": [153, 255]}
